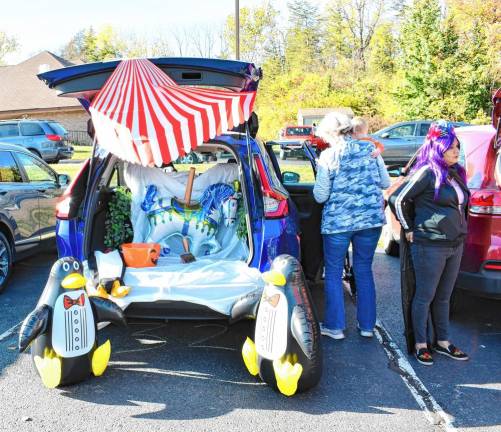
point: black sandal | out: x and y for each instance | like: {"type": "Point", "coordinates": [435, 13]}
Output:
{"type": "Point", "coordinates": [451, 351]}
{"type": "Point", "coordinates": [424, 357]}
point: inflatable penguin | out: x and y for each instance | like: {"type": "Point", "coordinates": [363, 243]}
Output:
{"type": "Point", "coordinates": [286, 353]}
{"type": "Point", "coordinates": [62, 330]}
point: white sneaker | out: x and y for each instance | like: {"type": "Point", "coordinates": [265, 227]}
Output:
{"type": "Point", "coordinates": [334, 334]}
{"type": "Point", "coordinates": [366, 333]}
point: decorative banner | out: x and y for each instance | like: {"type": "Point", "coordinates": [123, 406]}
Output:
{"type": "Point", "coordinates": [142, 116]}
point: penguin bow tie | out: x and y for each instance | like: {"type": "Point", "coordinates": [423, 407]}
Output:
{"type": "Point", "coordinates": [69, 302]}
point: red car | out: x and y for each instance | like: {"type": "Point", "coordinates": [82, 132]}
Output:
{"type": "Point", "coordinates": [292, 137]}
{"type": "Point", "coordinates": [480, 272]}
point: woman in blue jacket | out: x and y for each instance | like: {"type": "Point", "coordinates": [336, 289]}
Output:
{"type": "Point", "coordinates": [349, 182]}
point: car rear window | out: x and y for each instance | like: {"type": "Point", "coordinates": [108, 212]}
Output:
{"type": "Point", "coordinates": [8, 130]}
{"type": "Point", "coordinates": [31, 129]}
{"type": "Point", "coordinates": [298, 131]}
{"type": "Point", "coordinates": [9, 171]}
{"type": "Point", "coordinates": [57, 128]}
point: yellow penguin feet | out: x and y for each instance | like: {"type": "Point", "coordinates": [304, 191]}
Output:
{"type": "Point", "coordinates": [118, 290]}
{"type": "Point", "coordinates": [100, 358]}
{"type": "Point", "coordinates": [101, 292]}
{"type": "Point", "coordinates": [287, 374]}
{"type": "Point", "coordinates": [49, 368]}
{"type": "Point", "coordinates": [249, 355]}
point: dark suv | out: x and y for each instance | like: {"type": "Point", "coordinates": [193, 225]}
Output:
{"type": "Point", "coordinates": [29, 190]}
{"type": "Point", "coordinates": [45, 138]}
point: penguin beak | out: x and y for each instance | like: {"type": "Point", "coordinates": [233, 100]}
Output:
{"type": "Point", "coordinates": [73, 281]}
{"type": "Point", "coordinates": [274, 277]}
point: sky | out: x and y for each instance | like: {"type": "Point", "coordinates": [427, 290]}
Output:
{"type": "Point", "coordinates": [49, 24]}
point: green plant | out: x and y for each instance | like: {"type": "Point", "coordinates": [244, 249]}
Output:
{"type": "Point", "coordinates": [241, 221]}
{"type": "Point", "coordinates": [118, 227]}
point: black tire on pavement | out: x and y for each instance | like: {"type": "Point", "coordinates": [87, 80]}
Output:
{"type": "Point", "coordinates": [390, 245]}
{"type": "Point", "coordinates": [458, 302]}
{"type": "Point", "coordinates": [5, 261]}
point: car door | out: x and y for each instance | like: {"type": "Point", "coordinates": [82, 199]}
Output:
{"type": "Point", "coordinates": [399, 142]}
{"type": "Point", "coordinates": [298, 178]}
{"type": "Point", "coordinates": [44, 181]}
{"type": "Point", "coordinates": [18, 203]}
{"type": "Point", "coordinates": [421, 132]}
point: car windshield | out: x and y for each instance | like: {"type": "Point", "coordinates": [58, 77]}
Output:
{"type": "Point", "coordinates": [298, 131]}
{"type": "Point", "coordinates": [57, 128]}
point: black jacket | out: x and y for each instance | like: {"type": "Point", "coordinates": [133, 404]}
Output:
{"type": "Point", "coordinates": [440, 222]}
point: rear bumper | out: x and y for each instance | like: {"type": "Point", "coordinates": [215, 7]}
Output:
{"type": "Point", "coordinates": [65, 152]}
{"type": "Point", "coordinates": [484, 283]}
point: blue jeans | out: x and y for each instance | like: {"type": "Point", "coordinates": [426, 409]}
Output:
{"type": "Point", "coordinates": [335, 249]}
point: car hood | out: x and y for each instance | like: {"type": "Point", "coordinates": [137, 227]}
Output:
{"type": "Point", "coordinates": [84, 81]}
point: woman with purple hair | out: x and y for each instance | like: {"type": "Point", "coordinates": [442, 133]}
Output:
{"type": "Point", "coordinates": [431, 207]}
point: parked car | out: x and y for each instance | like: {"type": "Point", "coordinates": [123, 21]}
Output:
{"type": "Point", "coordinates": [401, 140]}
{"type": "Point", "coordinates": [44, 138]}
{"type": "Point", "coordinates": [291, 139]}
{"type": "Point", "coordinates": [480, 271]}
{"type": "Point", "coordinates": [275, 216]}
{"type": "Point", "coordinates": [29, 190]}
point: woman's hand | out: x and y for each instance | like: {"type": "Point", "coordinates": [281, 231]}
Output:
{"type": "Point", "coordinates": [409, 236]}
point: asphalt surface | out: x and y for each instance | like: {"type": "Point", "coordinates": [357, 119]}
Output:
{"type": "Point", "coordinates": [189, 375]}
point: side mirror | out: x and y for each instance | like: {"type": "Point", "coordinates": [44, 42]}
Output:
{"type": "Point", "coordinates": [290, 177]}
{"type": "Point", "coordinates": [63, 179]}
{"type": "Point", "coordinates": [385, 135]}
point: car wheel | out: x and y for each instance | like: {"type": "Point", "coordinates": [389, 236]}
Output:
{"type": "Point", "coordinates": [5, 261]}
{"type": "Point", "coordinates": [457, 302]}
{"type": "Point", "coordinates": [390, 245]}
{"type": "Point", "coordinates": [36, 152]}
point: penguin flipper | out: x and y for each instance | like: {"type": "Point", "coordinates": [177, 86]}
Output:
{"type": "Point", "coordinates": [107, 311]}
{"type": "Point", "coordinates": [49, 368]}
{"type": "Point", "coordinates": [100, 358]}
{"type": "Point", "coordinates": [35, 324]}
{"type": "Point", "coordinates": [301, 330]}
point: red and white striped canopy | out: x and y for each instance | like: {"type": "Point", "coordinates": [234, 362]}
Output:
{"type": "Point", "coordinates": [142, 116]}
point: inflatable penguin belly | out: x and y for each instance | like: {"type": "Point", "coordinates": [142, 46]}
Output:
{"type": "Point", "coordinates": [62, 329]}
{"type": "Point", "coordinates": [287, 353]}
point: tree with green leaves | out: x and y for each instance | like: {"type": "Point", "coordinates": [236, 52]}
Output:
{"type": "Point", "coordinates": [8, 45]}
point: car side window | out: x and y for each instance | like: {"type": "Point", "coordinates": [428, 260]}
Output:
{"type": "Point", "coordinates": [296, 169]}
{"type": "Point", "coordinates": [8, 130]}
{"type": "Point", "coordinates": [9, 171]}
{"type": "Point", "coordinates": [401, 131]}
{"type": "Point", "coordinates": [34, 169]}
{"type": "Point", "coordinates": [423, 129]}
{"type": "Point", "coordinates": [31, 129]}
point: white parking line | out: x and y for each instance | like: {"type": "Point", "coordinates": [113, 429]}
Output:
{"type": "Point", "coordinates": [10, 332]}
{"type": "Point", "coordinates": [432, 410]}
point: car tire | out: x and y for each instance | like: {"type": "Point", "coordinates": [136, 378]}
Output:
{"type": "Point", "coordinates": [5, 261]}
{"type": "Point", "coordinates": [390, 245]}
{"type": "Point", "coordinates": [36, 153]}
{"type": "Point", "coordinates": [457, 302]}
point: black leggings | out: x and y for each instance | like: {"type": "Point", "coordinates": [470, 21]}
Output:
{"type": "Point", "coordinates": [436, 269]}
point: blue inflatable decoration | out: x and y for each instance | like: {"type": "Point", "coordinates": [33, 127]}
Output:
{"type": "Point", "coordinates": [199, 222]}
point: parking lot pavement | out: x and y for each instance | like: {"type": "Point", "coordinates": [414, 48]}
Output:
{"type": "Point", "coordinates": [189, 375]}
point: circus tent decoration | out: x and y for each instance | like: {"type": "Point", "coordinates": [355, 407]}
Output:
{"type": "Point", "coordinates": [142, 116]}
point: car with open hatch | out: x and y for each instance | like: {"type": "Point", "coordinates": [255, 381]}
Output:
{"type": "Point", "coordinates": [229, 236]}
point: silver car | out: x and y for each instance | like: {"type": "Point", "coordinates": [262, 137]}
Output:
{"type": "Point", "coordinates": [44, 138]}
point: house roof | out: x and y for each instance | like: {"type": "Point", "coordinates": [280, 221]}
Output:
{"type": "Point", "coordinates": [21, 90]}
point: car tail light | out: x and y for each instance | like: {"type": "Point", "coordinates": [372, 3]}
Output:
{"type": "Point", "coordinates": [275, 202]}
{"type": "Point", "coordinates": [53, 137]}
{"type": "Point", "coordinates": [63, 207]}
{"type": "Point", "coordinates": [486, 202]}
{"type": "Point", "coordinates": [493, 265]}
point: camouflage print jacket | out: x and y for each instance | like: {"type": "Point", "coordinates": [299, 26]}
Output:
{"type": "Point", "coordinates": [349, 182]}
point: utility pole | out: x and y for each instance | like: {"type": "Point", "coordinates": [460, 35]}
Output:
{"type": "Point", "coordinates": [237, 29]}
